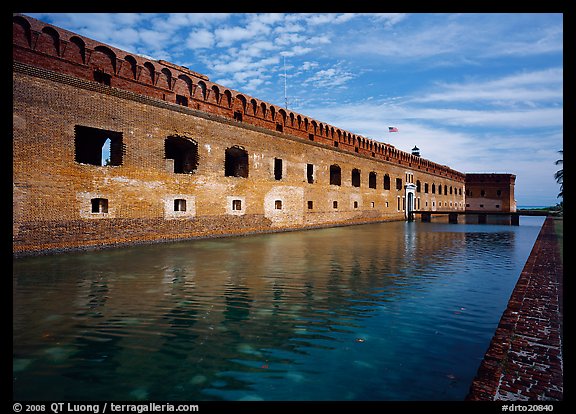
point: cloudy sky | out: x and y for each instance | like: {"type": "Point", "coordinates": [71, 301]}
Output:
{"type": "Point", "coordinates": [477, 92]}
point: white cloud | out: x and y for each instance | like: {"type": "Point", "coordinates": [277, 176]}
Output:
{"type": "Point", "coordinates": [200, 39]}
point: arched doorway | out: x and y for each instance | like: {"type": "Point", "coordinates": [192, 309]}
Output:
{"type": "Point", "coordinates": [410, 190]}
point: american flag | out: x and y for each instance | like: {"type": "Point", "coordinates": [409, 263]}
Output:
{"type": "Point", "coordinates": [392, 129]}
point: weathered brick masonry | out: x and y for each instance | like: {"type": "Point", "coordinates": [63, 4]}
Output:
{"type": "Point", "coordinates": [524, 360]}
{"type": "Point", "coordinates": [188, 157]}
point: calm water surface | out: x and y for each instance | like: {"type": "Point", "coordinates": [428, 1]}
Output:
{"type": "Point", "coordinates": [392, 311]}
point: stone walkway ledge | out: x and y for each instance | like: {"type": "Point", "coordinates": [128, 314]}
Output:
{"type": "Point", "coordinates": [524, 360]}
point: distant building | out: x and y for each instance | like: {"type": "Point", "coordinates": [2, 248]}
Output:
{"type": "Point", "coordinates": [490, 192]}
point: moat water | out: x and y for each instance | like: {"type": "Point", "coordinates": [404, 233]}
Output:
{"type": "Point", "coordinates": [393, 311]}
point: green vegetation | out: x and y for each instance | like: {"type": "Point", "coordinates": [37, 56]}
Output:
{"type": "Point", "coordinates": [559, 228]}
{"type": "Point", "coordinates": [559, 175]}
{"type": "Point", "coordinates": [557, 210]}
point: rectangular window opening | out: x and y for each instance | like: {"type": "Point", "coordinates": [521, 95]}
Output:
{"type": "Point", "coordinates": [96, 146]}
{"type": "Point", "coordinates": [277, 168]}
{"type": "Point", "coordinates": [99, 205]}
{"type": "Point", "coordinates": [278, 204]}
{"type": "Point", "coordinates": [310, 205]}
{"type": "Point", "coordinates": [236, 205]}
{"type": "Point", "coordinates": [310, 173]}
{"type": "Point", "coordinates": [181, 100]}
{"type": "Point", "coordinates": [102, 77]}
{"type": "Point", "coordinates": [179, 204]}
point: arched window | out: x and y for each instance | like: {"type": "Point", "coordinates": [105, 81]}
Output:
{"type": "Point", "coordinates": [21, 33]}
{"type": "Point", "coordinates": [236, 162]}
{"type": "Point", "coordinates": [386, 182]}
{"type": "Point", "coordinates": [355, 177]}
{"type": "Point", "coordinates": [216, 92]}
{"type": "Point", "coordinates": [372, 179]}
{"type": "Point", "coordinates": [132, 65]}
{"type": "Point", "coordinates": [76, 50]}
{"type": "Point", "coordinates": [165, 80]}
{"type": "Point", "coordinates": [203, 89]}
{"type": "Point", "coordinates": [184, 86]}
{"type": "Point", "coordinates": [228, 96]}
{"type": "Point", "coordinates": [182, 153]}
{"type": "Point", "coordinates": [49, 42]}
{"type": "Point", "coordinates": [263, 109]}
{"type": "Point", "coordinates": [103, 59]}
{"type": "Point", "coordinates": [150, 73]}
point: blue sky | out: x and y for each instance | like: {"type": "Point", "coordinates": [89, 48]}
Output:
{"type": "Point", "coordinates": [477, 92]}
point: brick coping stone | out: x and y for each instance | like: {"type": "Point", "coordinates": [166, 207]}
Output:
{"type": "Point", "coordinates": [524, 360]}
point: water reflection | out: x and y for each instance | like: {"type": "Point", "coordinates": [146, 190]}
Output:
{"type": "Point", "coordinates": [393, 311]}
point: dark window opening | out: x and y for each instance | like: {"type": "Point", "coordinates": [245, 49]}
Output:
{"type": "Point", "coordinates": [398, 183]}
{"type": "Point", "coordinates": [356, 149]}
{"type": "Point", "coordinates": [236, 162]}
{"type": "Point", "coordinates": [278, 204]}
{"type": "Point", "coordinates": [183, 152]}
{"type": "Point", "coordinates": [418, 186]}
{"type": "Point", "coordinates": [238, 116]}
{"type": "Point", "coordinates": [426, 187]}
{"type": "Point", "coordinates": [179, 204]}
{"type": "Point", "coordinates": [355, 204]}
{"type": "Point", "coordinates": [336, 144]}
{"type": "Point", "coordinates": [310, 205]}
{"type": "Point", "coordinates": [310, 173]}
{"type": "Point", "coordinates": [279, 127]}
{"type": "Point", "coordinates": [311, 137]}
{"type": "Point", "coordinates": [482, 193]}
{"type": "Point", "coordinates": [181, 100]}
{"type": "Point", "coordinates": [99, 205]}
{"type": "Point", "coordinates": [372, 180]}
{"type": "Point", "coordinates": [499, 193]}
{"type": "Point", "coordinates": [386, 182]}
{"type": "Point", "coordinates": [445, 189]}
{"type": "Point", "coordinates": [497, 205]}
{"type": "Point", "coordinates": [433, 188]}
{"type": "Point", "coordinates": [355, 177]}
{"type": "Point", "coordinates": [335, 175]}
{"type": "Point", "coordinates": [335, 204]}
{"type": "Point", "coordinates": [277, 168]}
{"type": "Point", "coordinates": [103, 78]}
{"type": "Point", "coordinates": [236, 205]}
{"type": "Point", "coordinates": [98, 146]}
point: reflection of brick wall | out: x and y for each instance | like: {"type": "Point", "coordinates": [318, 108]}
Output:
{"type": "Point", "coordinates": [54, 194]}
{"type": "Point", "coordinates": [490, 192]}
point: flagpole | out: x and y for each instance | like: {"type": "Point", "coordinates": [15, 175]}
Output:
{"type": "Point", "coordinates": [285, 95]}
